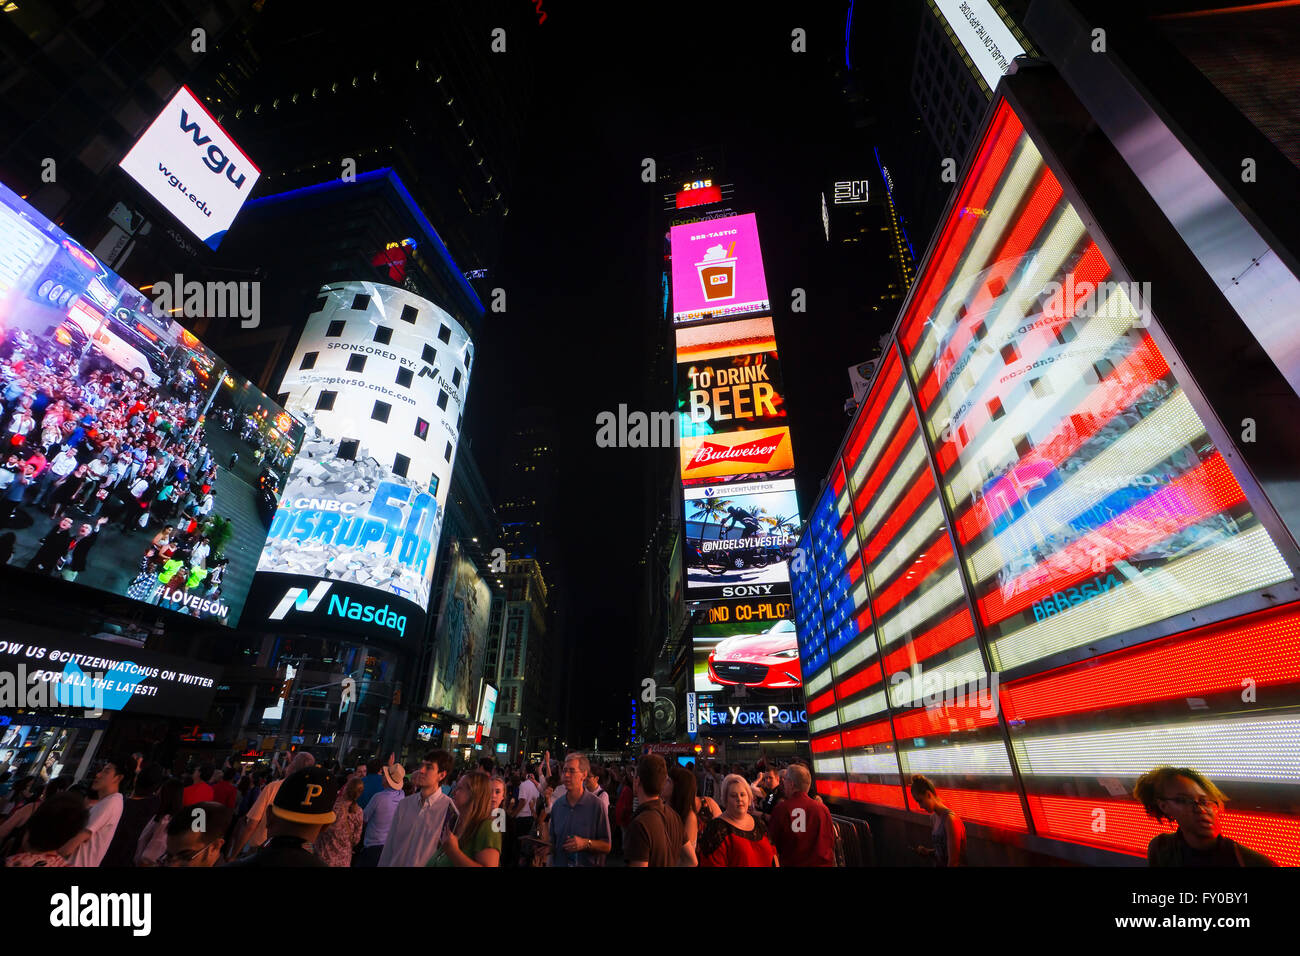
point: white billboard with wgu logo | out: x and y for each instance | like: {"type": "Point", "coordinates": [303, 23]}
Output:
{"type": "Point", "coordinates": [187, 162]}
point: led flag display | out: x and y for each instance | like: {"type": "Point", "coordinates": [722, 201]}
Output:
{"type": "Point", "coordinates": [1088, 500]}
{"type": "Point", "coordinates": [717, 269]}
{"type": "Point", "coordinates": [187, 162]}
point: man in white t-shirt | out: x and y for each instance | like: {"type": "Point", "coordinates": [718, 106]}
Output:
{"type": "Point", "coordinates": [88, 847]}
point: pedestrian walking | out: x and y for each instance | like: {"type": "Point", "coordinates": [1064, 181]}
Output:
{"type": "Point", "coordinates": [338, 840]}
{"type": "Point", "coordinates": [422, 820]}
{"type": "Point", "coordinates": [1184, 796]}
{"type": "Point", "coordinates": [579, 825]}
{"type": "Point", "coordinates": [736, 838]}
{"type": "Point", "coordinates": [654, 837]}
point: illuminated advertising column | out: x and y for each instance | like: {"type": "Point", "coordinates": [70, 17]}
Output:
{"type": "Point", "coordinates": [737, 466]}
{"type": "Point", "coordinates": [380, 376]}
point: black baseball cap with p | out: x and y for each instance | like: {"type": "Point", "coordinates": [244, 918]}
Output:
{"type": "Point", "coordinates": [306, 797]}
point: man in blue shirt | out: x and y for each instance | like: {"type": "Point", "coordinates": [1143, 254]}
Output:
{"type": "Point", "coordinates": [579, 821]}
{"type": "Point", "coordinates": [372, 784]}
{"type": "Point", "coordinates": [379, 812]}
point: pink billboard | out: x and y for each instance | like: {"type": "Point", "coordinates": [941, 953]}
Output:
{"type": "Point", "coordinates": [717, 269]}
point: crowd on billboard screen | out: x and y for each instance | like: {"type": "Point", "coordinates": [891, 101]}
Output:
{"type": "Point", "coordinates": [130, 459]}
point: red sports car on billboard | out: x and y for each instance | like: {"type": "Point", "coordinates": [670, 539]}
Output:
{"type": "Point", "coordinates": [768, 660]}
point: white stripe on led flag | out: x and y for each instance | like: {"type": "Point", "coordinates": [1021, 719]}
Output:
{"type": "Point", "coordinates": [1015, 186]}
{"type": "Point", "coordinates": [986, 759]}
{"type": "Point", "coordinates": [885, 763]}
{"type": "Point", "coordinates": [818, 684]}
{"type": "Point", "coordinates": [1258, 749]}
{"type": "Point", "coordinates": [942, 593]}
{"type": "Point", "coordinates": [1153, 439]}
{"type": "Point", "coordinates": [1242, 563]}
{"type": "Point", "coordinates": [925, 527]}
{"type": "Point", "coordinates": [823, 722]}
{"type": "Point", "coordinates": [1046, 263]}
{"type": "Point", "coordinates": [856, 653]}
{"type": "Point", "coordinates": [871, 704]}
{"type": "Point", "coordinates": [962, 672]}
{"type": "Point", "coordinates": [888, 496]}
{"type": "Point", "coordinates": [866, 463]}
{"type": "Point", "coordinates": [831, 765]}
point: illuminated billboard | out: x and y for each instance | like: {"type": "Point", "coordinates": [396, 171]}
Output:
{"type": "Point", "coordinates": [460, 638]}
{"type": "Point", "coordinates": [1038, 569]}
{"type": "Point", "coordinates": [379, 375]}
{"type": "Point", "coordinates": [717, 269]}
{"type": "Point", "coordinates": [135, 461]}
{"type": "Point", "coordinates": [747, 646]}
{"type": "Point", "coordinates": [732, 389]}
{"type": "Point", "coordinates": [749, 453]}
{"type": "Point", "coordinates": [988, 42]}
{"type": "Point", "coordinates": [738, 537]}
{"type": "Point", "coordinates": [488, 709]}
{"type": "Point", "coordinates": [187, 162]}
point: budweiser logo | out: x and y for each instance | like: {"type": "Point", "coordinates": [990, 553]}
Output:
{"type": "Point", "coordinates": [759, 451]}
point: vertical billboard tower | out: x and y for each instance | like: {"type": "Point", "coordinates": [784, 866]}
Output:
{"type": "Point", "coordinates": [737, 467]}
{"type": "Point", "coordinates": [380, 377]}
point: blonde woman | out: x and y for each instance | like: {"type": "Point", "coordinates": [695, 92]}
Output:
{"type": "Point", "coordinates": [735, 838]}
{"type": "Point", "coordinates": [476, 841]}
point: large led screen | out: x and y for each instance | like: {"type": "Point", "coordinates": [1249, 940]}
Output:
{"type": "Point", "coordinates": [734, 389]}
{"type": "Point", "coordinates": [133, 459]}
{"type": "Point", "coordinates": [747, 647]}
{"type": "Point", "coordinates": [1087, 492]}
{"type": "Point", "coordinates": [187, 162]}
{"type": "Point", "coordinates": [738, 538]}
{"type": "Point", "coordinates": [379, 375]}
{"type": "Point", "coordinates": [738, 455]}
{"type": "Point", "coordinates": [717, 269]}
{"type": "Point", "coordinates": [460, 638]}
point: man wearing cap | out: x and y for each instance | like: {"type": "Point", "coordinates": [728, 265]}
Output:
{"type": "Point", "coordinates": [254, 830]}
{"type": "Point", "coordinates": [422, 820]}
{"type": "Point", "coordinates": [379, 814]}
{"type": "Point", "coordinates": [303, 807]}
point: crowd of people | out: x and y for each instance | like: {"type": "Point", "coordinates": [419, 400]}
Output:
{"type": "Point", "coordinates": [574, 814]}
{"type": "Point", "coordinates": [85, 449]}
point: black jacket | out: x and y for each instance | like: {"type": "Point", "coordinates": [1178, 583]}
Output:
{"type": "Point", "coordinates": [282, 851]}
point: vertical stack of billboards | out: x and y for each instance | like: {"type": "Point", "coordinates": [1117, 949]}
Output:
{"type": "Point", "coordinates": [737, 471]}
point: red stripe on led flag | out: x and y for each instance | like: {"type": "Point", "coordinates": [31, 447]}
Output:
{"type": "Point", "coordinates": [831, 788]}
{"type": "Point", "coordinates": [1207, 489]}
{"type": "Point", "coordinates": [943, 720]}
{"type": "Point", "coordinates": [986, 806]}
{"type": "Point", "coordinates": [917, 572]}
{"type": "Point", "coordinates": [995, 152]}
{"type": "Point", "coordinates": [880, 398]}
{"type": "Point", "coordinates": [838, 480]}
{"type": "Point", "coordinates": [821, 702]}
{"type": "Point", "coordinates": [864, 620]}
{"type": "Point", "coordinates": [854, 570]}
{"type": "Point", "coordinates": [845, 527]}
{"type": "Point", "coordinates": [1209, 660]}
{"type": "Point", "coordinates": [1129, 829]}
{"type": "Point", "coordinates": [942, 636]}
{"type": "Point", "coordinates": [867, 677]}
{"type": "Point", "coordinates": [819, 745]}
{"type": "Point", "coordinates": [881, 794]}
{"type": "Point", "coordinates": [868, 735]}
{"type": "Point", "coordinates": [900, 514]}
{"type": "Point", "coordinates": [1042, 201]}
{"type": "Point", "coordinates": [880, 470]}
{"type": "Point", "coordinates": [1143, 367]}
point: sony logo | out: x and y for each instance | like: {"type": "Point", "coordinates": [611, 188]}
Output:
{"type": "Point", "coordinates": [747, 590]}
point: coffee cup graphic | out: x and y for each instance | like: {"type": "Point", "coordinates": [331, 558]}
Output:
{"type": "Point", "coordinates": [717, 274]}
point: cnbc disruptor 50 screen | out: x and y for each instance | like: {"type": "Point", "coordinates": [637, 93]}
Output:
{"type": "Point", "coordinates": [379, 375]}
{"type": "Point", "coordinates": [131, 458]}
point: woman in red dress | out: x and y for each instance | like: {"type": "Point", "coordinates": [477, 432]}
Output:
{"type": "Point", "coordinates": [735, 838]}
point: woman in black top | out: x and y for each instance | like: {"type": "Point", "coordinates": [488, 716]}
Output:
{"type": "Point", "coordinates": [1185, 797]}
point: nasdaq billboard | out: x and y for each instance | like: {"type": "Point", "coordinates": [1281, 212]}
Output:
{"type": "Point", "coordinates": [379, 376]}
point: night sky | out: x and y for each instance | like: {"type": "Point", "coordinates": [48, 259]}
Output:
{"type": "Point", "coordinates": [583, 226]}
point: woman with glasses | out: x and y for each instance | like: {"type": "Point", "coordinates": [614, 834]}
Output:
{"type": "Point", "coordinates": [1185, 797]}
{"type": "Point", "coordinates": [476, 839]}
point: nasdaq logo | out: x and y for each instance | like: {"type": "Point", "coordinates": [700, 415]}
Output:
{"type": "Point", "coordinates": [298, 599]}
